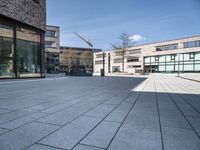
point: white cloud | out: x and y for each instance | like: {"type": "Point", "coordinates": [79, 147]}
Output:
{"type": "Point", "coordinates": [137, 38]}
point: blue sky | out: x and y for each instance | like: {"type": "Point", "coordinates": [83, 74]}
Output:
{"type": "Point", "coordinates": [102, 21]}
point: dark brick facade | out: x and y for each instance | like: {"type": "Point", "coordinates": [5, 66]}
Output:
{"type": "Point", "coordinates": [31, 12]}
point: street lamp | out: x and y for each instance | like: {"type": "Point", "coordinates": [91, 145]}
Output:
{"type": "Point", "coordinates": [178, 63]}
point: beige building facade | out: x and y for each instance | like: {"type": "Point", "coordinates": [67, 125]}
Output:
{"type": "Point", "coordinates": [52, 48]}
{"type": "Point", "coordinates": [180, 55]}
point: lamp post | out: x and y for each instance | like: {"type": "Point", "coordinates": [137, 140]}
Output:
{"type": "Point", "coordinates": [178, 64]}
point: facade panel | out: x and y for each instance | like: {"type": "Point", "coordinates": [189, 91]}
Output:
{"type": "Point", "coordinates": [167, 56]}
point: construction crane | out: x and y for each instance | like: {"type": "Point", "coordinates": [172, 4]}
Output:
{"type": "Point", "coordinates": [85, 40]}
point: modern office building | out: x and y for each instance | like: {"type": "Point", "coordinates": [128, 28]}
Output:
{"type": "Point", "coordinates": [167, 57]}
{"type": "Point", "coordinates": [22, 30]}
{"type": "Point", "coordinates": [52, 48]}
{"type": "Point", "coordinates": [76, 59]}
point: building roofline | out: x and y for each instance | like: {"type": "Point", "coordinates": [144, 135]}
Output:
{"type": "Point", "coordinates": [52, 26]}
{"type": "Point", "coordinates": [167, 40]}
{"type": "Point", "coordinates": [62, 47]}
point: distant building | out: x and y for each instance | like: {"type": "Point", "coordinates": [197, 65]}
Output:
{"type": "Point", "coordinates": [22, 30]}
{"type": "Point", "coordinates": [73, 59]}
{"type": "Point", "coordinates": [52, 48]}
{"type": "Point", "coordinates": [168, 57]}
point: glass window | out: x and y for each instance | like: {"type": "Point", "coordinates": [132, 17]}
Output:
{"type": "Point", "coordinates": [134, 66]}
{"type": "Point", "coordinates": [99, 62]}
{"type": "Point", "coordinates": [135, 51]}
{"type": "Point", "coordinates": [191, 55]}
{"type": "Point", "coordinates": [6, 50]}
{"type": "Point", "coordinates": [161, 68]}
{"type": "Point", "coordinates": [147, 60]}
{"type": "Point", "coordinates": [172, 57]}
{"type": "Point", "coordinates": [50, 33]}
{"type": "Point", "coordinates": [167, 47]}
{"type": "Point", "coordinates": [28, 52]}
{"type": "Point", "coordinates": [191, 44]}
{"type": "Point", "coordinates": [157, 58]}
{"type": "Point", "coordinates": [132, 59]}
{"type": "Point", "coordinates": [117, 60]}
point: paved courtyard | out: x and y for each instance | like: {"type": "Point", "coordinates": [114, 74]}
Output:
{"type": "Point", "coordinates": [92, 113]}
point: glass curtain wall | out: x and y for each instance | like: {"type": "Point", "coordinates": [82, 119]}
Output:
{"type": "Point", "coordinates": [28, 52]}
{"type": "Point", "coordinates": [21, 50]}
{"type": "Point", "coordinates": [188, 62]}
{"type": "Point", "coordinates": [6, 50]}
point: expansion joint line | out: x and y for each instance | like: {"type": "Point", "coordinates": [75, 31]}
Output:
{"type": "Point", "coordinates": [161, 134]}
{"type": "Point", "coordinates": [181, 110]}
{"type": "Point", "coordinates": [127, 114]}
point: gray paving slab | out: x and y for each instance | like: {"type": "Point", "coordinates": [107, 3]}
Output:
{"type": "Point", "coordinates": [22, 104]}
{"type": "Point", "coordinates": [45, 105]}
{"type": "Point", "coordinates": [173, 118]}
{"type": "Point", "coordinates": [60, 106]}
{"type": "Point", "coordinates": [101, 111]}
{"type": "Point", "coordinates": [70, 135]}
{"type": "Point", "coordinates": [3, 131]}
{"type": "Point", "coordinates": [142, 120]}
{"type": "Point", "coordinates": [119, 114]}
{"type": "Point", "coordinates": [185, 108]}
{"type": "Point", "coordinates": [101, 135]}
{"type": "Point", "coordinates": [41, 147]}
{"type": "Point", "coordinates": [195, 122]}
{"type": "Point", "coordinates": [67, 115]}
{"type": "Point", "coordinates": [180, 139]}
{"type": "Point", "coordinates": [84, 147]}
{"type": "Point", "coordinates": [136, 140]}
{"type": "Point", "coordinates": [4, 111]}
{"type": "Point", "coordinates": [21, 121]}
{"type": "Point", "coordinates": [161, 101]}
{"type": "Point", "coordinates": [25, 136]}
{"type": "Point", "coordinates": [14, 115]}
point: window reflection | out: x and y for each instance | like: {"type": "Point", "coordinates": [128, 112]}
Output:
{"type": "Point", "coordinates": [28, 53]}
{"type": "Point", "coordinates": [6, 50]}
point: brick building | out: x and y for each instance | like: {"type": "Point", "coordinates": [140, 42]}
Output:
{"type": "Point", "coordinates": [22, 30]}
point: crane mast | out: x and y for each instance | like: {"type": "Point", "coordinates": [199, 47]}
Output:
{"type": "Point", "coordinates": [85, 40]}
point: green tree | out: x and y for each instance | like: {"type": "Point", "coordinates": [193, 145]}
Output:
{"type": "Point", "coordinates": [123, 45]}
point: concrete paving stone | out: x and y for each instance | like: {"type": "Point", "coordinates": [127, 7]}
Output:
{"type": "Point", "coordinates": [4, 111]}
{"type": "Point", "coordinates": [117, 99]}
{"type": "Point", "coordinates": [60, 106]}
{"type": "Point", "coordinates": [21, 121]}
{"type": "Point", "coordinates": [119, 113]}
{"type": "Point", "coordinates": [45, 105]}
{"type": "Point", "coordinates": [100, 111]}
{"type": "Point", "coordinates": [195, 121]}
{"type": "Point", "coordinates": [13, 115]}
{"type": "Point", "coordinates": [101, 135]}
{"type": "Point", "coordinates": [3, 131]}
{"type": "Point", "coordinates": [166, 104]}
{"type": "Point", "coordinates": [25, 136]}
{"type": "Point", "coordinates": [173, 118]}
{"type": "Point", "coordinates": [136, 140]}
{"type": "Point", "coordinates": [180, 139]}
{"type": "Point", "coordinates": [113, 101]}
{"type": "Point", "coordinates": [70, 135]}
{"type": "Point", "coordinates": [141, 128]}
{"type": "Point", "coordinates": [84, 147]}
{"type": "Point", "coordinates": [65, 116]}
{"type": "Point", "coordinates": [185, 108]}
{"type": "Point", "coordinates": [22, 104]}
{"type": "Point", "coordinates": [41, 147]}
{"type": "Point", "coordinates": [132, 97]}
{"type": "Point", "coordinates": [142, 120]}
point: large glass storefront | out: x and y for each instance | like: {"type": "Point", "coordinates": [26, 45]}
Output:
{"type": "Point", "coordinates": [185, 62]}
{"type": "Point", "coordinates": [21, 50]}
